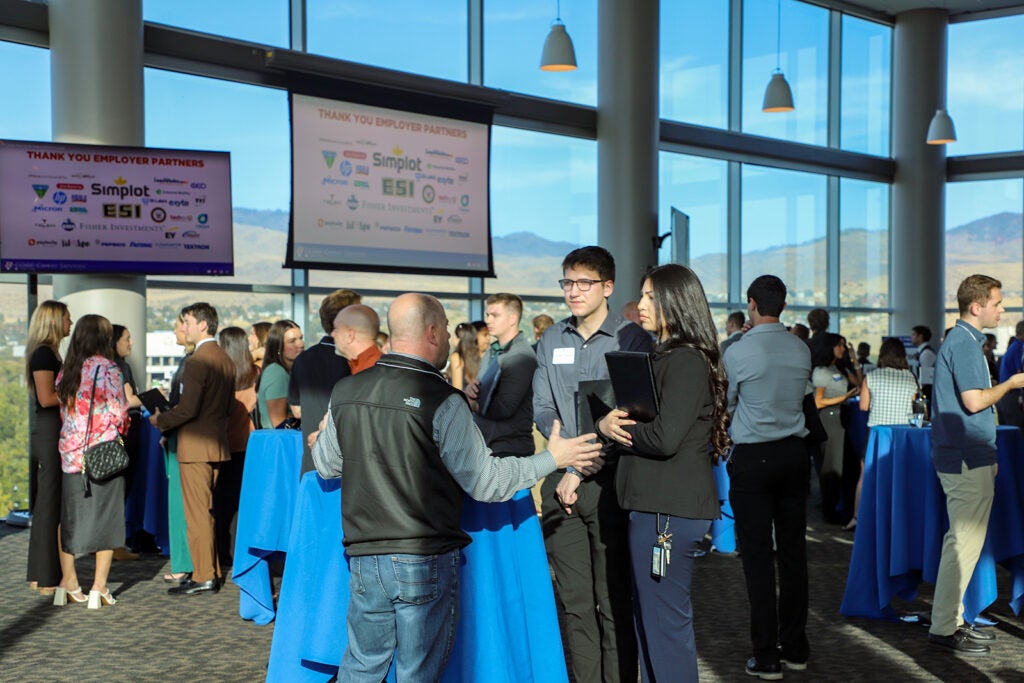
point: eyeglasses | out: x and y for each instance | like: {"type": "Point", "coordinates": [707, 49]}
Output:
{"type": "Point", "coordinates": [583, 284]}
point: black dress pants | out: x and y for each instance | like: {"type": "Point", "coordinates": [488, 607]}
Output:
{"type": "Point", "coordinates": [768, 492]}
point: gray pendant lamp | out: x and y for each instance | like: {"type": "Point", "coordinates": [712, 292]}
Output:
{"type": "Point", "coordinates": [778, 96]}
{"type": "Point", "coordinates": [941, 130]}
{"type": "Point", "coordinates": [558, 54]}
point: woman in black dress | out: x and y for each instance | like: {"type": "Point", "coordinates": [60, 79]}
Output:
{"type": "Point", "coordinates": [50, 323]}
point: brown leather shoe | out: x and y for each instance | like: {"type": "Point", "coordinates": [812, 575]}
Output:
{"type": "Point", "coordinates": [124, 554]}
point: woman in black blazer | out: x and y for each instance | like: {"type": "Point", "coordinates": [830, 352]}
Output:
{"type": "Point", "coordinates": [664, 477]}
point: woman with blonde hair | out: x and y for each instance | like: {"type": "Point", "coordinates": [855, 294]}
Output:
{"type": "Point", "coordinates": [50, 323]}
{"type": "Point", "coordinates": [95, 410]}
{"type": "Point", "coordinates": [258, 341]}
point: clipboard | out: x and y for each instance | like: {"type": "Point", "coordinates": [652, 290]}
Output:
{"type": "Point", "coordinates": [154, 400]}
{"type": "Point", "coordinates": [594, 399]}
{"type": "Point", "coordinates": [632, 378]}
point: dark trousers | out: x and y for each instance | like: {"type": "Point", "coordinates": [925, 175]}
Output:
{"type": "Point", "coordinates": [589, 554]}
{"type": "Point", "coordinates": [661, 605]}
{"type": "Point", "coordinates": [225, 506]}
{"type": "Point", "coordinates": [768, 491]}
{"type": "Point", "coordinates": [46, 479]}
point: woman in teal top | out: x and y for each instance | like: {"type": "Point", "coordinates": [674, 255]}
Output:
{"type": "Point", "coordinates": [284, 344]}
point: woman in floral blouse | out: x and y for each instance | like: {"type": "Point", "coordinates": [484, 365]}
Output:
{"type": "Point", "coordinates": [89, 522]}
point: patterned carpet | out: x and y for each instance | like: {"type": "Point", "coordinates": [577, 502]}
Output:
{"type": "Point", "coordinates": [150, 636]}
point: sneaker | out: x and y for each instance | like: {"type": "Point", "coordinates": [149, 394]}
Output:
{"type": "Point", "coordinates": [766, 672]}
{"type": "Point", "coordinates": [960, 643]}
{"type": "Point", "coordinates": [794, 664]}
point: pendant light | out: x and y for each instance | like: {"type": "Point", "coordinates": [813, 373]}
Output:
{"type": "Point", "coordinates": [558, 54]}
{"type": "Point", "coordinates": [778, 96]}
{"type": "Point", "coordinates": [941, 130]}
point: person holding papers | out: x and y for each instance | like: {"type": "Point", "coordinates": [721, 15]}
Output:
{"type": "Point", "coordinates": [664, 478]}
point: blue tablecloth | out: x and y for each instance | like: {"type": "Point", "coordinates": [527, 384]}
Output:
{"type": "Point", "coordinates": [903, 518]}
{"type": "Point", "coordinates": [146, 506]}
{"type": "Point", "coordinates": [723, 533]}
{"type": "Point", "coordinates": [270, 485]}
{"type": "Point", "coordinates": [508, 627]}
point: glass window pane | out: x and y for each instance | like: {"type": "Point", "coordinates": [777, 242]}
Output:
{"type": "Point", "coordinates": [804, 61]}
{"type": "Point", "coordinates": [13, 400]}
{"type": "Point", "coordinates": [986, 91]}
{"type": "Point", "coordinates": [259, 21]}
{"type": "Point", "coordinates": [179, 115]}
{"type": "Point", "coordinates": [983, 235]}
{"type": "Point", "coordinates": [25, 83]}
{"type": "Point", "coordinates": [697, 187]}
{"type": "Point", "coordinates": [864, 327]}
{"type": "Point", "coordinates": [695, 62]}
{"type": "Point", "coordinates": [783, 231]}
{"type": "Point", "coordinates": [863, 243]}
{"type": "Point", "coordinates": [428, 38]}
{"type": "Point", "coordinates": [864, 82]}
{"type": "Point", "coordinates": [543, 205]}
{"type": "Point", "coordinates": [514, 35]}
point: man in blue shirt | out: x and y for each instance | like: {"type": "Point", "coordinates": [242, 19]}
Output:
{"type": "Point", "coordinates": [964, 455]}
{"type": "Point", "coordinates": [768, 371]}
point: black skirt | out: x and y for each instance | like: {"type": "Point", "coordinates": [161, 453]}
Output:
{"type": "Point", "coordinates": [94, 523]}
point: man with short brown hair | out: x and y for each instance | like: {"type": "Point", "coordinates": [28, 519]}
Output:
{"type": "Point", "coordinates": [316, 370]}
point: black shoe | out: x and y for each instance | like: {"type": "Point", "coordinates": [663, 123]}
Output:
{"type": "Point", "coordinates": [977, 634]}
{"type": "Point", "coordinates": [766, 672]}
{"type": "Point", "coordinates": [190, 587]}
{"type": "Point", "coordinates": [960, 643]}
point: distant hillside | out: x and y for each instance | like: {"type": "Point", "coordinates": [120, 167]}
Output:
{"type": "Point", "coordinates": [275, 220]}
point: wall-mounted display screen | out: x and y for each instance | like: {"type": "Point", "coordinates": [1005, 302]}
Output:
{"type": "Point", "coordinates": [385, 190]}
{"type": "Point", "coordinates": [67, 208]}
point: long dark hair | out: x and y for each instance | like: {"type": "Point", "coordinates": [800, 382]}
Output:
{"type": "Point", "coordinates": [682, 307]}
{"type": "Point", "coordinates": [235, 343]}
{"type": "Point", "coordinates": [825, 352]}
{"type": "Point", "coordinates": [92, 337]}
{"type": "Point", "coordinates": [469, 348]}
{"type": "Point", "coordinates": [273, 350]}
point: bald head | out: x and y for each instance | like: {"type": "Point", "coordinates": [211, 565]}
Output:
{"type": "Point", "coordinates": [355, 330]}
{"type": "Point", "coordinates": [419, 326]}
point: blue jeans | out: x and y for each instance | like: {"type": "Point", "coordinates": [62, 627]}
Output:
{"type": "Point", "coordinates": [403, 607]}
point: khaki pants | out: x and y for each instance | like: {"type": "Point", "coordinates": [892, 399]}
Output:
{"type": "Point", "coordinates": [968, 502]}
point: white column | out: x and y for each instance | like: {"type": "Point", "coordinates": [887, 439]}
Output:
{"type": "Point", "coordinates": [627, 139]}
{"type": "Point", "coordinates": [918, 193]}
{"type": "Point", "coordinates": [96, 79]}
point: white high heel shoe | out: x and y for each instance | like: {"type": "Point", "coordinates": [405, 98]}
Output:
{"type": "Point", "coordinates": [96, 597]}
{"type": "Point", "coordinates": [61, 595]}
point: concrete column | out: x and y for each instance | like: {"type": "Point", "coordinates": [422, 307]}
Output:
{"type": "Point", "coordinates": [627, 139]}
{"type": "Point", "coordinates": [96, 81]}
{"type": "Point", "coordinates": [918, 193]}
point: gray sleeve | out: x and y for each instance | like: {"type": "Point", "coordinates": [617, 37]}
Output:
{"type": "Point", "coordinates": [327, 452]}
{"type": "Point", "coordinates": [545, 409]}
{"type": "Point", "coordinates": [467, 457]}
{"type": "Point", "coordinates": [732, 378]}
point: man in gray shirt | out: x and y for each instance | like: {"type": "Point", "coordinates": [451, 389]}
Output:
{"type": "Point", "coordinates": [768, 371]}
{"type": "Point", "coordinates": [964, 455]}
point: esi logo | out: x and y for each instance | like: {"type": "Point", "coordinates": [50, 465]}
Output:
{"type": "Point", "coordinates": [345, 167]}
{"type": "Point", "coordinates": [60, 197]}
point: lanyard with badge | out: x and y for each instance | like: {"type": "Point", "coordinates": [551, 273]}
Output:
{"type": "Point", "coordinates": [661, 553]}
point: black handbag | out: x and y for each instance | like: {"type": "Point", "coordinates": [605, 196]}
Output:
{"type": "Point", "coordinates": [105, 459]}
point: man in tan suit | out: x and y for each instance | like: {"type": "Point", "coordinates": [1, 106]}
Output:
{"type": "Point", "coordinates": [208, 389]}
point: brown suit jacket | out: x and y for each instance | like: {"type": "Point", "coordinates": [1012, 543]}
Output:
{"type": "Point", "coordinates": [201, 416]}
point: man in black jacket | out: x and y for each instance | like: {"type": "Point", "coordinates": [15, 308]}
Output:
{"type": "Point", "coordinates": [409, 448]}
{"type": "Point", "coordinates": [503, 396]}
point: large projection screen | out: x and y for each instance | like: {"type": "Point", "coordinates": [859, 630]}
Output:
{"type": "Point", "coordinates": [383, 190]}
{"type": "Point", "coordinates": [69, 208]}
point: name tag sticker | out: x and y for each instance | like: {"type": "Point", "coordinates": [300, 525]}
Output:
{"type": "Point", "coordinates": [564, 356]}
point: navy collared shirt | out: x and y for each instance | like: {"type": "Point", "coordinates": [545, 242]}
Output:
{"type": "Point", "coordinates": [959, 436]}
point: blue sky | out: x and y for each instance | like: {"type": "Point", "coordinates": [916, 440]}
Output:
{"type": "Point", "coordinates": [543, 183]}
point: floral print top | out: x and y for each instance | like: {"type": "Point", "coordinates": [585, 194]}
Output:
{"type": "Point", "coordinates": [109, 412]}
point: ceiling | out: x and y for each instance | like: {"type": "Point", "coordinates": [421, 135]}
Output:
{"type": "Point", "coordinates": [954, 7]}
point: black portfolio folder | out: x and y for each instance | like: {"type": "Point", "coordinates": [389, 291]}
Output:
{"type": "Point", "coordinates": [632, 376]}
{"type": "Point", "coordinates": [154, 399]}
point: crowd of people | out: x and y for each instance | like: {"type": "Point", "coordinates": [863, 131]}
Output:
{"type": "Point", "coordinates": [455, 412]}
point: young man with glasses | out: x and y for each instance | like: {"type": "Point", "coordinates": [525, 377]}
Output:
{"type": "Point", "coordinates": [584, 528]}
